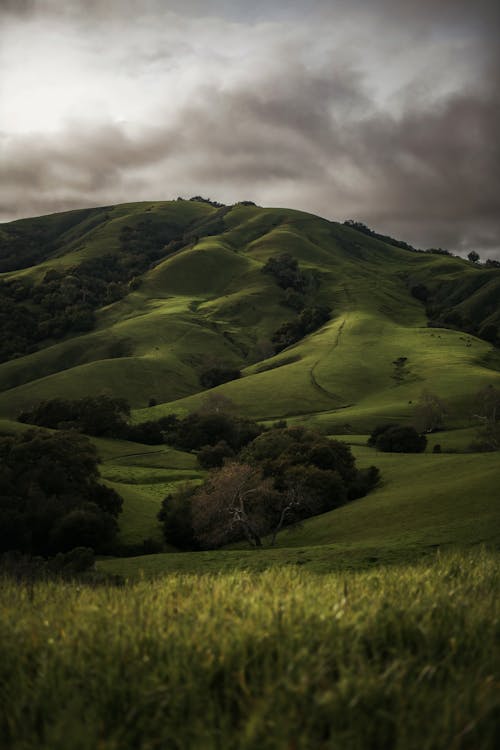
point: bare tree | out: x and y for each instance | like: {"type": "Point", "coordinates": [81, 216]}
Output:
{"type": "Point", "coordinates": [487, 404]}
{"type": "Point", "coordinates": [430, 412]}
{"type": "Point", "coordinates": [288, 507]}
{"type": "Point", "coordinates": [233, 503]}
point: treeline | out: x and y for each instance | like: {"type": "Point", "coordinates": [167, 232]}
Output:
{"type": "Point", "coordinates": [282, 476]}
{"type": "Point", "coordinates": [108, 416]}
{"type": "Point", "coordinates": [51, 499]}
{"type": "Point", "coordinates": [361, 227]}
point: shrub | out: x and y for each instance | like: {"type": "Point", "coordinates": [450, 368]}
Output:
{"type": "Point", "coordinates": [397, 439]}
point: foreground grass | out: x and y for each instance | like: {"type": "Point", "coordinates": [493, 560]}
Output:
{"type": "Point", "coordinates": [399, 657]}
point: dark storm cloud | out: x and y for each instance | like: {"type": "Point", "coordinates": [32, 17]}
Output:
{"type": "Point", "coordinates": [300, 124]}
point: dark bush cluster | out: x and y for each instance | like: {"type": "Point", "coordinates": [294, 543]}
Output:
{"type": "Point", "coordinates": [397, 439]}
{"type": "Point", "coordinates": [285, 270]}
{"type": "Point", "coordinates": [281, 477]}
{"type": "Point", "coordinates": [107, 416]}
{"type": "Point", "coordinates": [309, 320]}
{"type": "Point", "coordinates": [100, 416]}
{"type": "Point", "coordinates": [51, 499]}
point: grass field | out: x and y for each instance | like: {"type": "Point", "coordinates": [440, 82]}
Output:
{"type": "Point", "coordinates": [403, 657]}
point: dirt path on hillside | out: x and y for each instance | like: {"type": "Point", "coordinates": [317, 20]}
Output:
{"type": "Point", "coordinates": [314, 382]}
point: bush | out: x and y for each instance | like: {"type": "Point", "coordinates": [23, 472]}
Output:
{"type": "Point", "coordinates": [397, 439]}
{"type": "Point", "coordinates": [176, 518]}
{"type": "Point", "coordinates": [212, 456]}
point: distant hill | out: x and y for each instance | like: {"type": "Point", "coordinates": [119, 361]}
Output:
{"type": "Point", "coordinates": [327, 324]}
{"type": "Point", "coordinates": [140, 299]}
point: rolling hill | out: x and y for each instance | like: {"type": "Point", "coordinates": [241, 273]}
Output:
{"type": "Point", "coordinates": [184, 291]}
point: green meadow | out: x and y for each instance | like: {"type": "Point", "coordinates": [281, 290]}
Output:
{"type": "Point", "coordinates": [404, 657]}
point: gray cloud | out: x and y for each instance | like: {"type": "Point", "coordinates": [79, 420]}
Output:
{"type": "Point", "coordinates": [332, 116]}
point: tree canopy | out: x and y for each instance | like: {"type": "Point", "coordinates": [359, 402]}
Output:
{"type": "Point", "coordinates": [51, 499]}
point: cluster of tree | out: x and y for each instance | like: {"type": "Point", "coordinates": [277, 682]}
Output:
{"type": "Point", "coordinates": [397, 438]}
{"type": "Point", "coordinates": [20, 249]}
{"type": "Point", "coordinates": [309, 320]}
{"type": "Point", "coordinates": [107, 416]}
{"type": "Point", "coordinates": [297, 284]}
{"type": "Point", "coordinates": [201, 199]}
{"type": "Point", "coordinates": [285, 270]}
{"type": "Point", "coordinates": [146, 242]}
{"type": "Point", "coordinates": [51, 499]}
{"type": "Point", "coordinates": [100, 416]}
{"type": "Point", "coordinates": [284, 475]}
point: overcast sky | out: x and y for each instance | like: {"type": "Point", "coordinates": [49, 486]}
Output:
{"type": "Point", "coordinates": [385, 111]}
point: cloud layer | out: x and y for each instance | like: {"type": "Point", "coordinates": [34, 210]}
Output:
{"type": "Point", "coordinates": [384, 112]}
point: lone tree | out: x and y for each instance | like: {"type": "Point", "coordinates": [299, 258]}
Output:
{"type": "Point", "coordinates": [487, 410]}
{"type": "Point", "coordinates": [473, 256]}
{"type": "Point", "coordinates": [232, 504]}
{"type": "Point", "coordinates": [430, 412]}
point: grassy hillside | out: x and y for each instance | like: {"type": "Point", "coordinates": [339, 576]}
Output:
{"type": "Point", "coordinates": [199, 298]}
{"type": "Point", "coordinates": [209, 301]}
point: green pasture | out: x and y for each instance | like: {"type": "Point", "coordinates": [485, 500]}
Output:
{"type": "Point", "coordinates": [402, 657]}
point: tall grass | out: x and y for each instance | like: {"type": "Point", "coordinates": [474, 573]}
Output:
{"type": "Point", "coordinates": [399, 657]}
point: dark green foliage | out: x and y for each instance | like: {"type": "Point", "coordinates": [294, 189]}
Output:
{"type": "Point", "coordinates": [490, 332]}
{"type": "Point", "coordinates": [175, 517]}
{"type": "Point", "coordinates": [84, 527]}
{"type": "Point", "coordinates": [364, 481]}
{"type": "Point", "coordinates": [214, 376]}
{"type": "Point", "coordinates": [50, 496]}
{"type": "Point", "coordinates": [309, 320]}
{"type": "Point", "coordinates": [420, 292]}
{"type": "Point", "coordinates": [278, 449]}
{"type": "Point", "coordinates": [94, 415]}
{"type": "Point", "coordinates": [294, 299]}
{"type": "Point", "coordinates": [397, 439]}
{"type": "Point", "coordinates": [473, 256]}
{"type": "Point", "coordinates": [282, 477]}
{"type": "Point", "coordinates": [198, 430]}
{"type": "Point", "coordinates": [322, 489]}
{"type": "Point", "coordinates": [212, 456]}
{"type": "Point", "coordinates": [285, 270]}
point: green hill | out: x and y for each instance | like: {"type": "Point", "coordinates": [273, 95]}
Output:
{"type": "Point", "coordinates": [138, 300]}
